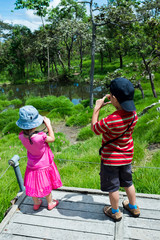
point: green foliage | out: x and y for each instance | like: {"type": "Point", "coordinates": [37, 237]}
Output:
{"type": "Point", "coordinates": [4, 103]}
{"type": "Point", "coordinates": [80, 119]}
{"type": "Point", "coordinates": [7, 117]}
{"type": "Point", "coordinates": [85, 133]}
{"type": "Point", "coordinates": [11, 128]}
{"type": "Point", "coordinates": [3, 97]}
{"type": "Point", "coordinates": [16, 102]}
{"type": "Point", "coordinates": [77, 108]}
{"type": "Point", "coordinates": [61, 105]}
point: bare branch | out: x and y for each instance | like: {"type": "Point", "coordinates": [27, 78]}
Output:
{"type": "Point", "coordinates": [84, 2]}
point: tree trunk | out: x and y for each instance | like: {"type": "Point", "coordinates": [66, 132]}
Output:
{"type": "Point", "coordinates": [150, 77]}
{"type": "Point", "coordinates": [48, 60]}
{"type": "Point", "coordinates": [81, 56]}
{"type": "Point", "coordinates": [101, 54]}
{"type": "Point", "coordinates": [55, 65]}
{"type": "Point", "coordinates": [140, 88]}
{"type": "Point", "coordinates": [152, 85]}
{"type": "Point", "coordinates": [92, 63]}
{"type": "Point", "coordinates": [47, 48]}
{"type": "Point", "coordinates": [69, 59]}
{"type": "Point", "coordinates": [60, 59]}
{"type": "Point", "coordinates": [121, 60]}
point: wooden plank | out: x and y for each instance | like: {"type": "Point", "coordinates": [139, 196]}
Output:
{"type": "Point", "coordinates": [99, 192]}
{"type": "Point", "coordinates": [76, 206]}
{"type": "Point", "coordinates": [105, 228]}
{"type": "Point", "coordinates": [141, 234]}
{"type": "Point", "coordinates": [119, 230]}
{"type": "Point", "coordinates": [75, 197]}
{"type": "Point", "coordinates": [6, 236]}
{"type": "Point", "coordinates": [52, 233]}
{"type": "Point", "coordinates": [142, 223]}
{"type": "Point", "coordinates": [147, 203]}
{"type": "Point", "coordinates": [12, 211]}
{"type": "Point", "coordinates": [145, 213]}
{"type": "Point", "coordinates": [65, 214]}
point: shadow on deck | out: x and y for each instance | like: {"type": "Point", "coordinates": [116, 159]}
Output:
{"type": "Point", "coordinates": [79, 215]}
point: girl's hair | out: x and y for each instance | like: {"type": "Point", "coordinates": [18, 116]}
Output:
{"type": "Point", "coordinates": [29, 133]}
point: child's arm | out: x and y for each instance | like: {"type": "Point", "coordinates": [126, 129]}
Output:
{"type": "Point", "coordinates": [99, 104]}
{"type": "Point", "coordinates": [51, 137]}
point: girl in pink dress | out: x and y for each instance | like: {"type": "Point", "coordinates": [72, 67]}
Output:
{"type": "Point", "coordinates": [41, 175]}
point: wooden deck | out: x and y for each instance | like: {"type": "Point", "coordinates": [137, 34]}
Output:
{"type": "Point", "coordinates": [78, 216]}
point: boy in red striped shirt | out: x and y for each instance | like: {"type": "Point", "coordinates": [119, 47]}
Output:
{"type": "Point", "coordinates": [117, 154]}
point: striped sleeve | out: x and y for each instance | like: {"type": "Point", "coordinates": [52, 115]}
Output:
{"type": "Point", "coordinates": [101, 126]}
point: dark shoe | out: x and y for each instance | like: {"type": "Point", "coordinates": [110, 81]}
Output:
{"type": "Point", "coordinates": [108, 212]}
{"type": "Point", "coordinates": [134, 212]}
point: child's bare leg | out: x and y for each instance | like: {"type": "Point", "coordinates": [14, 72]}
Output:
{"type": "Point", "coordinates": [36, 200]}
{"type": "Point", "coordinates": [114, 199]}
{"type": "Point", "coordinates": [131, 194]}
{"type": "Point", "coordinates": [49, 198]}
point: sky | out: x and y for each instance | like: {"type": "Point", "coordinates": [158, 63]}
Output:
{"type": "Point", "coordinates": [24, 17]}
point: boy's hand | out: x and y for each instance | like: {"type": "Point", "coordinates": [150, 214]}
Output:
{"type": "Point", "coordinates": [101, 102]}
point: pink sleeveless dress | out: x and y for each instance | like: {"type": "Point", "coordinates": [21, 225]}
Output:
{"type": "Point", "coordinates": [41, 175]}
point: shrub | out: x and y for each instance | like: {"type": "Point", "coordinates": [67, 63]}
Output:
{"type": "Point", "coordinates": [8, 116]}
{"type": "Point", "coordinates": [16, 102]}
{"type": "Point", "coordinates": [51, 102]}
{"type": "Point", "coordinates": [85, 133]}
{"type": "Point", "coordinates": [80, 119]}
{"type": "Point", "coordinates": [77, 108]}
{"type": "Point", "coordinates": [3, 97]}
{"type": "Point", "coordinates": [11, 128]}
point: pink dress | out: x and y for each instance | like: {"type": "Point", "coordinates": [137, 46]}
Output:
{"type": "Point", "coordinates": [41, 175]}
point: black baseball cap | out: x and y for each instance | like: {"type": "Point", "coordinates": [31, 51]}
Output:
{"type": "Point", "coordinates": [123, 90]}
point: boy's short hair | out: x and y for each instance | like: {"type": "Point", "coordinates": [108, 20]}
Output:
{"type": "Point", "coordinates": [123, 90]}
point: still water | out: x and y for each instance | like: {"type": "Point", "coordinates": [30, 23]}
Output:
{"type": "Point", "coordinates": [75, 92]}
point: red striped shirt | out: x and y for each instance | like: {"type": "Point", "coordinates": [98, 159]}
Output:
{"type": "Point", "coordinates": [120, 152]}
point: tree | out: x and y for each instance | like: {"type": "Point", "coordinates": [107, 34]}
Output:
{"type": "Point", "coordinates": [40, 6]}
{"type": "Point", "coordinates": [15, 51]}
{"type": "Point", "coordinates": [147, 38]}
{"type": "Point", "coordinates": [114, 13]}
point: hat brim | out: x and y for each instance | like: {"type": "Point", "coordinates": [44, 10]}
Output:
{"type": "Point", "coordinates": [29, 125]}
{"type": "Point", "coordinates": [128, 105]}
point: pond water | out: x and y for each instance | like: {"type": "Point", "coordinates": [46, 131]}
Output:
{"type": "Point", "coordinates": [75, 92]}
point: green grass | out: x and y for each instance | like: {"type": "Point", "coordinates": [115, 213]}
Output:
{"type": "Point", "coordinates": [147, 180]}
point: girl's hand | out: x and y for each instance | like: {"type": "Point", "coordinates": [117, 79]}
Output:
{"type": "Point", "coordinates": [100, 102]}
{"type": "Point", "coordinates": [47, 121]}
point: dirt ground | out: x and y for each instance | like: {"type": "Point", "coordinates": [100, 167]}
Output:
{"type": "Point", "coordinates": [70, 132]}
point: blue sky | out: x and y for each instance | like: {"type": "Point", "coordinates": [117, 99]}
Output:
{"type": "Point", "coordinates": [24, 17]}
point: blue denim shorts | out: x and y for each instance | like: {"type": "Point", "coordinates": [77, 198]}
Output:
{"type": "Point", "coordinates": [114, 177]}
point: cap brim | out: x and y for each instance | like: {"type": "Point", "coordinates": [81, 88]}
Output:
{"type": "Point", "coordinates": [128, 106]}
{"type": "Point", "coordinates": [29, 125]}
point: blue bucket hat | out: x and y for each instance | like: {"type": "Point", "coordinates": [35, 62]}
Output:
{"type": "Point", "coordinates": [123, 90]}
{"type": "Point", "coordinates": [29, 117]}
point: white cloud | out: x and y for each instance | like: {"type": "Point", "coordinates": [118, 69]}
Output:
{"type": "Point", "coordinates": [54, 3]}
{"type": "Point", "coordinates": [33, 17]}
{"type": "Point", "coordinates": [32, 25]}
